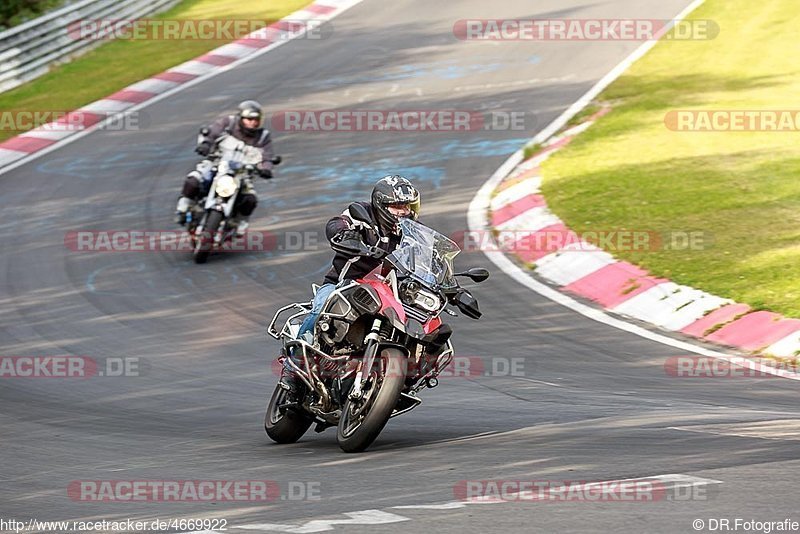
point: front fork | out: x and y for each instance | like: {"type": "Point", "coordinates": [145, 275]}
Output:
{"type": "Point", "coordinates": [372, 339]}
{"type": "Point", "coordinates": [223, 232]}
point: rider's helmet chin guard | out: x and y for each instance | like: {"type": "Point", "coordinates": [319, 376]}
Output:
{"type": "Point", "coordinates": [249, 109]}
{"type": "Point", "coordinates": [394, 191]}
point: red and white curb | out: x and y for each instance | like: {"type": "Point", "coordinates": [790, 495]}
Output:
{"type": "Point", "coordinates": [29, 145]}
{"type": "Point", "coordinates": [598, 276]}
{"type": "Point", "coordinates": [580, 268]}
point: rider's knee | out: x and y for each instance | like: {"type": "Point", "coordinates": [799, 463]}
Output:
{"type": "Point", "coordinates": [191, 185]}
{"type": "Point", "coordinates": [247, 204]}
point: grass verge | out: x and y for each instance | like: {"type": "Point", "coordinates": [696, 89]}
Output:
{"type": "Point", "coordinates": [738, 189]}
{"type": "Point", "coordinates": [15, 12]}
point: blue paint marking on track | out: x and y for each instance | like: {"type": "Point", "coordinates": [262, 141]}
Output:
{"type": "Point", "coordinates": [341, 179]}
{"type": "Point", "coordinates": [100, 165]}
{"type": "Point", "coordinates": [345, 179]}
{"type": "Point", "coordinates": [443, 70]}
{"type": "Point", "coordinates": [336, 179]}
{"type": "Point", "coordinates": [481, 147]}
{"type": "Point", "coordinates": [420, 152]}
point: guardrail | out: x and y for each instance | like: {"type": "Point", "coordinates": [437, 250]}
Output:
{"type": "Point", "coordinates": [30, 49]}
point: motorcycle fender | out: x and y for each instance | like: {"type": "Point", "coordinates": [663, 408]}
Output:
{"type": "Point", "coordinates": [227, 207]}
{"type": "Point", "coordinates": [403, 349]}
{"type": "Point", "coordinates": [397, 346]}
{"type": "Point", "coordinates": [211, 198]}
{"type": "Point", "coordinates": [390, 345]}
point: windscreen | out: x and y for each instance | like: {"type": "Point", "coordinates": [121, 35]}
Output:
{"type": "Point", "coordinates": [237, 153]}
{"type": "Point", "coordinates": [426, 254]}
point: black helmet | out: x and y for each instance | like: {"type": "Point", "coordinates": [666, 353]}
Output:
{"type": "Point", "coordinates": [249, 109]}
{"type": "Point", "coordinates": [392, 191]}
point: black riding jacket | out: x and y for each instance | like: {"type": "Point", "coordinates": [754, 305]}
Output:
{"type": "Point", "coordinates": [370, 235]}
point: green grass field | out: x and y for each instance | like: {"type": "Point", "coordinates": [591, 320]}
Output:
{"type": "Point", "coordinates": [117, 64]}
{"type": "Point", "coordinates": [14, 12]}
{"type": "Point", "coordinates": [741, 189]}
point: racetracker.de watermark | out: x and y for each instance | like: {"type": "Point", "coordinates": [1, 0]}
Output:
{"type": "Point", "coordinates": [71, 121]}
{"type": "Point", "coordinates": [459, 367]}
{"type": "Point", "coordinates": [125, 491]}
{"type": "Point", "coordinates": [417, 121]}
{"type": "Point", "coordinates": [56, 366]}
{"type": "Point", "coordinates": [136, 240]}
{"type": "Point", "coordinates": [161, 241]}
{"type": "Point", "coordinates": [584, 30]}
{"type": "Point", "coordinates": [543, 491]}
{"type": "Point", "coordinates": [730, 368]}
{"type": "Point", "coordinates": [196, 30]}
{"type": "Point", "coordinates": [547, 241]}
{"type": "Point", "coordinates": [721, 120]}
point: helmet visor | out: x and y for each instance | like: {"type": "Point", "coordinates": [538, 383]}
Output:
{"type": "Point", "coordinates": [251, 114]}
{"type": "Point", "coordinates": [403, 210]}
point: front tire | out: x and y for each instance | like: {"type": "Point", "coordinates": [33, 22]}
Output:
{"type": "Point", "coordinates": [285, 426]}
{"type": "Point", "coordinates": [357, 430]}
{"type": "Point", "coordinates": [205, 241]}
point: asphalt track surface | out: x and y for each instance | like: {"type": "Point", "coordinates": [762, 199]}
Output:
{"type": "Point", "coordinates": [594, 403]}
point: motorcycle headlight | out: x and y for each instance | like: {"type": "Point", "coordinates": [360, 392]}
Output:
{"type": "Point", "coordinates": [427, 301]}
{"type": "Point", "coordinates": [226, 186]}
{"type": "Point", "coordinates": [408, 292]}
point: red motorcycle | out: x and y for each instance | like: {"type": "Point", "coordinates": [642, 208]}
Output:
{"type": "Point", "coordinates": [377, 342]}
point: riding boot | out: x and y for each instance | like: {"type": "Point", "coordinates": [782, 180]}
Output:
{"type": "Point", "coordinates": [184, 205]}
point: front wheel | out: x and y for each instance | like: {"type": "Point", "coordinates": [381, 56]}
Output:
{"type": "Point", "coordinates": [205, 241]}
{"type": "Point", "coordinates": [284, 425]}
{"type": "Point", "coordinates": [363, 420]}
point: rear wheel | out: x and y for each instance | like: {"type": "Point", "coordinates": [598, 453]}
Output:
{"type": "Point", "coordinates": [205, 240]}
{"type": "Point", "coordinates": [284, 425]}
{"type": "Point", "coordinates": [363, 420]}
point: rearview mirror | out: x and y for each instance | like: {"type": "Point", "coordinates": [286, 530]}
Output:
{"type": "Point", "coordinates": [476, 274]}
{"type": "Point", "coordinates": [276, 160]}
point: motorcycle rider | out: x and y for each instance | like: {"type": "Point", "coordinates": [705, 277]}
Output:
{"type": "Point", "coordinates": [245, 126]}
{"type": "Point", "coordinates": [393, 198]}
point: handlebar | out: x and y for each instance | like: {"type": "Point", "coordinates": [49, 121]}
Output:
{"type": "Point", "coordinates": [356, 247]}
